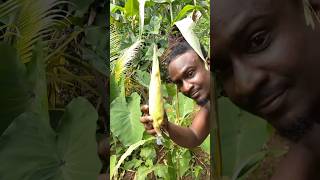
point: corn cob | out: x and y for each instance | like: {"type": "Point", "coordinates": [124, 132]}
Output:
{"type": "Point", "coordinates": [156, 109]}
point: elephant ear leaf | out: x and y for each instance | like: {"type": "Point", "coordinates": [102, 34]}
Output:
{"type": "Point", "coordinates": [31, 148]}
{"type": "Point", "coordinates": [14, 93]}
{"type": "Point", "coordinates": [69, 154]}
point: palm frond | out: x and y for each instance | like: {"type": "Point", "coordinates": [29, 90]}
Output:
{"type": "Point", "coordinates": [128, 55]}
{"type": "Point", "coordinates": [114, 43]}
{"type": "Point", "coordinates": [34, 21]}
{"type": "Point", "coordinates": [9, 6]}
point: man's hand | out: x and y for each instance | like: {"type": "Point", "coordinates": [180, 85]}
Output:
{"type": "Point", "coordinates": [147, 121]}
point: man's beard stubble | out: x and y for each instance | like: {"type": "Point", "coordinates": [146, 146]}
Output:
{"type": "Point", "coordinates": [295, 131]}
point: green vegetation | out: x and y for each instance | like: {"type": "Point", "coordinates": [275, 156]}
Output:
{"type": "Point", "coordinates": [135, 27]}
{"type": "Point", "coordinates": [52, 52]}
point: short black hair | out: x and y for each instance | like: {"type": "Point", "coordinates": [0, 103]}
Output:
{"type": "Point", "coordinates": [177, 46]}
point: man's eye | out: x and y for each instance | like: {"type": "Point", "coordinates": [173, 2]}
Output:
{"type": "Point", "coordinates": [258, 42]}
{"type": "Point", "coordinates": [190, 74]}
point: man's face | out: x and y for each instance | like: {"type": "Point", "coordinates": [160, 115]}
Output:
{"type": "Point", "coordinates": [188, 72]}
{"type": "Point", "coordinates": [267, 59]}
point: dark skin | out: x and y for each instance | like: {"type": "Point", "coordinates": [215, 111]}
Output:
{"type": "Point", "coordinates": [268, 61]}
{"type": "Point", "coordinates": [188, 72]}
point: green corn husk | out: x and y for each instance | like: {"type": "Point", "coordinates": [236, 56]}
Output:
{"type": "Point", "coordinates": [156, 109]}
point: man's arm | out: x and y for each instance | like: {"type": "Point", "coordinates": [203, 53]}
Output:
{"type": "Point", "coordinates": [188, 137]}
{"type": "Point", "coordinates": [194, 135]}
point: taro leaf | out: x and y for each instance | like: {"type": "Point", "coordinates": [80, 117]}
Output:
{"type": "Point", "coordinates": [14, 93]}
{"type": "Point", "coordinates": [171, 89]}
{"type": "Point", "coordinates": [32, 150]}
{"type": "Point", "coordinates": [125, 119]}
{"type": "Point", "coordinates": [248, 165]}
{"type": "Point", "coordinates": [186, 105]}
{"type": "Point", "coordinates": [243, 135]}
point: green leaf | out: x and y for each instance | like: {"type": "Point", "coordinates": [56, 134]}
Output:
{"type": "Point", "coordinates": [113, 161]}
{"type": "Point", "coordinates": [149, 163]}
{"type": "Point", "coordinates": [81, 6]}
{"type": "Point", "coordinates": [114, 88]}
{"type": "Point", "coordinates": [184, 11]}
{"type": "Point", "coordinates": [128, 153]}
{"type": "Point", "coordinates": [206, 145]}
{"type": "Point", "coordinates": [69, 154]}
{"type": "Point", "coordinates": [171, 89]}
{"type": "Point", "coordinates": [143, 78]}
{"type": "Point", "coordinates": [114, 8]}
{"type": "Point", "coordinates": [248, 165]}
{"type": "Point", "coordinates": [154, 25]}
{"type": "Point", "coordinates": [197, 171]}
{"type": "Point", "coordinates": [186, 105]}
{"type": "Point", "coordinates": [95, 61]}
{"type": "Point", "coordinates": [148, 153]}
{"type": "Point", "coordinates": [125, 119]}
{"type": "Point", "coordinates": [243, 135]}
{"type": "Point", "coordinates": [15, 94]}
{"type": "Point", "coordinates": [131, 8]}
{"type": "Point", "coordinates": [95, 36]}
{"type": "Point", "coordinates": [143, 171]}
{"type": "Point", "coordinates": [134, 163]}
{"type": "Point", "coordinates": [184, 162]}
{"type": "Point", "coordinates": [162, 171]}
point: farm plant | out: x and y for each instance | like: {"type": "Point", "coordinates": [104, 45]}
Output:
{"type": "Point", "coordinates": [53, 78]}
{"type": "Point", "coordinates": [138, 34]}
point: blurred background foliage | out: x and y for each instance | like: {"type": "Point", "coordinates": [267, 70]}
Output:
{"type": "Point", "coordinates": [53, 52]}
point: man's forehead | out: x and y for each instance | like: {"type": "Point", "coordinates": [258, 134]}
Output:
{"type": "Point", "coordinates": [225, 11]}
{"type": "Point", "coordinates": [231, 17]}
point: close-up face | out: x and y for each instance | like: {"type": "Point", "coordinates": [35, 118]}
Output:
{"type": "Point", "coordinates": [267, 58]}
{"type": "Point", "coordinates": [188, 72]}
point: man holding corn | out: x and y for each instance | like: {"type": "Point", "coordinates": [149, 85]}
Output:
{"type": "Point", "coordinates": [188, 69]}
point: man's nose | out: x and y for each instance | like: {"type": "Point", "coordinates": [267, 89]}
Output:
{"type": "Point", "coordinates": [247, 80]}
{"type": "Point", "coordinates": [186, 86]}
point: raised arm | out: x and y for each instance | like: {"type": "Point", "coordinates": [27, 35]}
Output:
{"type": "Point", "coordinates": [188, 137]}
